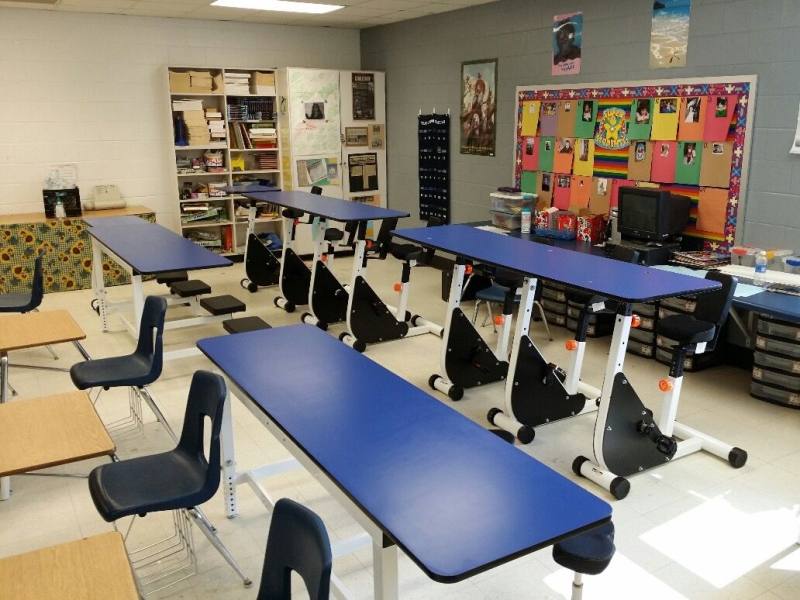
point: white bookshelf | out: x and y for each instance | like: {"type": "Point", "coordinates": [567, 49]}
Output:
{"type": "Point", "coordinates": [218, 99]}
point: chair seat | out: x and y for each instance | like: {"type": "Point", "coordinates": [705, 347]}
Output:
{"type": "Point", "coordinates": [170, 277]}
{"type": "Point", "coordinates": [245, 324]}
{"type": "Point", "coordinates": [406, 251]}
{"type": "Point", "coordinates": [168, 481]}
{"type": "Point", "coordinates": [588, 299]}
{"type": "Point", "coordinates": [16, 302]}
{"type": "Point", "coordinates": [494, 293]}
{"type": "Point", "coordinates": [686, 329]}
{"type": "Point", "coordinates": [192, 287]}
{"type": "Point", "coordinates": [223, 305]}
{"type": "Point", "coordinates": [508, 278]}
{"type": "Point", "coordinates": [588, 553]}
{"type": "Point", "coordinates": [333, 235]}
{"type": "Point", "coordinates": [117, 371]}
{"type": "Point", "coordinates": [292, 213]}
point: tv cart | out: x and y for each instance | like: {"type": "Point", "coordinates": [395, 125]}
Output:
{"type": "Point", "coordinates": [650, 253]}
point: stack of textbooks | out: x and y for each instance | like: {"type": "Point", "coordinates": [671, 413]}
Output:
{"type": "Point", "coordinates": [252, 109]}
{"type": "Point", "coordinates": [237, 83]}
{"type": "Point", "coordinates": [206, 238]}
{"type": "Point", "coordinates": [217, 189]}
{"type": "Point", "coordinates": [263, 137]}
{"type": "Point", "coordinates": [195, 120]}
{"type": "Point", "coordinates": [216, 125]}
{"type": "Point", "coordinates": [267, 161]}
{"type": "Point", "coordinates": [193, 212]}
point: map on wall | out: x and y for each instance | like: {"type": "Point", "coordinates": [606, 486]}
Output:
{"type": "Point", "coordinates": [315, 111]}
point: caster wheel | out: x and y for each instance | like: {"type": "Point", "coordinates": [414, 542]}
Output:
{"type": "Point", "coordinates": [526, 434]}
{"type": "Point", "coordinates": [412, 318]}
{"type": "Point", "coordinates": [503, 435]}
{"type": "Point", "coordinates": [323, 326]}
{"type": "Point", "coordinates": [289, 308]}
{"type": "Point", "coordinates": [95, 305]}
{"type": "Point", "coordinates": [620, 487]}
{"type": "Point", "coordinates": [597, 402]}
{"type": "Point", "coordinates": [275, 302]}
{"type": "Point", "coordinates": [455, 393]}
{"type": "Point", "coordinates": [342, 336]}
{"type": "Point", "coordinates": [737, 458]}
{"type": "Point", "coordinates": [493, 412]}
{"type": "Point", "coordinates": [576, 465]}
{"type": "Point", "coordinates": [244, 283]}
{"type": "Point", "coordinates": [252, 287]}
{"type": "Point", "coordinates": [432, 381]}
{"type": "Point", "coordinates": [304, 316]}
{"type": "Point", "coordinates": [359, 346]}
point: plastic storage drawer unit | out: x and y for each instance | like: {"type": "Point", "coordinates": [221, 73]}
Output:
{"type": "Point", "coordinates": [775, 395]}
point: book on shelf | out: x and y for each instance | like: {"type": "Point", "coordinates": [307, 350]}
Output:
{"type": "Point", "coordinates": [210, 213]}
{"type": "Point", "coordinates": [187, 104]}
{"type": "Point", "coordinates": [188, 207]}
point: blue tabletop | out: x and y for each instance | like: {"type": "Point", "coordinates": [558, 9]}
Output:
{"type": "Point", "coordinates": [781, 306]}
{"type": "Point", "coordinates": [611, 278]}
{"type": "Point", "coordinates": [343, 211]}
{"type": "Point", "coordinates": [150, 248]}
{"type": "Point", "coordinates": [456, 498]}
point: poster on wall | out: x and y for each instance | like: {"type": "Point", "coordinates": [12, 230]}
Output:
{"type": "Point", "coordinates": [362, 171]}
{"type": "Point", "coordinates": [567, 40]}
{"type": "Point", "coordinates": [355, 136]}
{"type": "Point", "coordinates": [363, 96]}
{"type": "Point", "coordinates": [478, 106]}
{"type": "Point", "coordinates": [317, 171]}
{"type": "Point", "coordinates": [669, 33]}
{"type": "Point", "coordinates": [376, 136]}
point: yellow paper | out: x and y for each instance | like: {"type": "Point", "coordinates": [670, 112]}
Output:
{"type": "Point", "coordinates": [584, 157]}
{"type": "Point", "coordinates": [665, 119]}
{"type": "Point", "coordinates": [530, 117]}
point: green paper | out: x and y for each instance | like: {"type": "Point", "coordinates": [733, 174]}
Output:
{"type": "Point", "coordinates": [528, 183]}
{"type": "Point", "coordinates": [546, 155]}
{"type": "Point", "coordinates": [688, 174]}
{"type": "Point", "coordinates": [640, 130]}
{"type": "Point", "coordinates": [585, 129]}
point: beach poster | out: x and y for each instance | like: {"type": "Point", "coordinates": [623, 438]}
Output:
{"type": "Point", "coordinates": [669, 33]}
{"type": "Point", "coordinates": [567, 40]}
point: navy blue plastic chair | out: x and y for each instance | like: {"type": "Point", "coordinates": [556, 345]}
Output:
{"type": "Point", "coordinates": [297, 542]}
{"type": "Point", "coordinates": [22, 302]}
{"type": "Point", "coordinates": [588, 553]}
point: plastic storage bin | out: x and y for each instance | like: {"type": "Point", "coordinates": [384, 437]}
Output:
{"type": "Point", "coordinates": [779, 329]}
{"type": "Point", "coordinates": [554, 294]}
{"type": "Point", "coordinates": [775, 395]}
{"type": "Point", "coordinates": [791, 264]}
{"type": "Point", "coordinates": [778, 346]}
{"type": "Point", "coordinates": [641, 349]}
{"type": "Point", "coordinates": [555, 318]}
{"type": "Point", "coordinates": [776, 378]}
{"type": "Point", "coordinates": [510, 203]}
{"type": "Point", "coordinates": [506, 220]}
{"type": "Point", "coordinates": [776, 362]}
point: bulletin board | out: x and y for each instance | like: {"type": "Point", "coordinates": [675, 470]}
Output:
{"type": "Point", "coordinates": [576, 145]}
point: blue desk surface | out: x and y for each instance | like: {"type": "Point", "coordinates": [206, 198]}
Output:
{"type": "Point", "coordinates": [611, 278]}
{"type": "Point", "coordinates": [343, 211]}
{"type": "Point", "coordinates": [781, 306]}
{"type": "Point", "coordinates": [150, 248]}
{"type": "Point", "coordinates": [456, 498]}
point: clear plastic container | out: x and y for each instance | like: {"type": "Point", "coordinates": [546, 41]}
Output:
{"type": "Point", "coordinates": [773, 394]}
{"type": "Point", "coordinates": [789, 382]}
{"type": "Point", "coordinates": [786, 348]}
{"type": "Point", "coordinates": [791, 264]}
{"type": "Point", "coordinates": [780, 329]}
{"type": "Point", "coordinates": [505, 220]}
{"type": "Point", "coordinates": [640, 348]}
{"type": "Point", "coordinates": [776, 362]}
{"type": "Point", "coordinates": [742, 255]}
{"type": "Point", "coordinates": [505, 202]}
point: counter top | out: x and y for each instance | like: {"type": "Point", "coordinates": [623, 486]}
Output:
{"type": "Point", "coordinates": [38, 217]}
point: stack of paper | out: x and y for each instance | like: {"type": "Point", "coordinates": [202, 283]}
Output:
{"type": "Point", "coordinates": [263, 137]}
{"type": "Point", "coordinates": [201, 82]}
{"type": "Point", "coordinates": [263, 84]}
{"type": "Point", "coordinates": [237, 83]}
{"type": "Point", "coordinates": [216, 125]}
{"type": "Point", "coordinates": [197, 127]}
{"type": "Point", "coordinates": [184, 104]}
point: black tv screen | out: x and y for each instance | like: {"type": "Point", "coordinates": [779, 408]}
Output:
{"type": "Point", "coordinates": [651, 214]}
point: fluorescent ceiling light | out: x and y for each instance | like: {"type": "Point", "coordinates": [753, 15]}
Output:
{"type": "Point", "coordinates": [280, 5]}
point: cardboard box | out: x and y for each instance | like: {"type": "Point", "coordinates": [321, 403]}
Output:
{"type": "Point", "coordinates": [591, 228]}
{"type": "Point", "coordinates": [263, 83]}
{"type": "Point", "coordinates": [179, 83]}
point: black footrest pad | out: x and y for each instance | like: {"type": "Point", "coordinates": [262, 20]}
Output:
{"type": "Point", "coordinates": [245, 324]}
{"type": "Point", "coordinates": [223, 305]}
{"type": "Point", "coordinates": [170, 277]}
{"type": "Point", "coordinates": [187, 289]}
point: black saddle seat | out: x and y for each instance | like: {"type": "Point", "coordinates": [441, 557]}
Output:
{"type": "Point", "coordinates": [192, 287]}
{"type": "Point", "coordinates": [588, 553]}
{"type": "Point", "coordinates": [510, 279]}
{"type": "Point", "coordinates": [245, 324]}
{"type": "Point", "coordinates": [686, 329]}
{"type": "Point", "coordinates": [292, 213]}
{"type": "Point", "coordinates": [170, 277]}
{"type": "Point", "coordinates": [334, 235]}
{"type": "Point", "coordinates": [406, 252]}
{"type": "Point", "coordinates": [223, 305]}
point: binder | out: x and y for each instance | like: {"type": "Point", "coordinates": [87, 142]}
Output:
{"type": "Point", "coordinates": [548, 119]}
{"type": "Point", "coordinates": [687, 163]}
{"type": "Point", "coordinates": [564, 152]}
{"type": "Point", "coordinates": [585, 119]}
{"type": "Point", "coordinates": [662, 168]}
{"type": "Point", "coordinates": [720, 111]}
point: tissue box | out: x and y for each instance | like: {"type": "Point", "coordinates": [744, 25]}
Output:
{"type": "Point", "coordinates": [591, 228]}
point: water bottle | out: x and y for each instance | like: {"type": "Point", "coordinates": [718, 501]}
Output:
{"type": "Point", "coordinates": [525, 222]}
{"type": "Point", "coordinates": [761, 267]}
{"type": "Point", "coordinates": [60, 212]}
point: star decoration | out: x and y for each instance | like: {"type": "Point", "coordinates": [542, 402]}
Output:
{"type": "Point", "coordinates": [688, 89]}
{"type": "Point", "coordinates": [743, 100]}
{"type": "Point", "coordinates": [729, 237]}
{"type": "Point", "coordinates": [738, 151]}
{"type": "Point", "coordinates": [594, 93]}
{"type": "Point", "coordinates": [626, 92]}
{"type": "Point", "coordinates": [733, 201]}
{"type": "Point", "coordinates": [546, 94]}
{"type": "Point", "coordinates": [729, 88]}
{"type": "Point", "coordinates": [659, 90]}
{"type": "Point", "coordinates": [572, 93]}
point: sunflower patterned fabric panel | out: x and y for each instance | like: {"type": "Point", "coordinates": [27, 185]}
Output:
{"type": "Point", "coordinates": [66, 248]}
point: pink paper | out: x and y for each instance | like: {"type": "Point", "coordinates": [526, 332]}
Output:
{"type": "Point", "coordinates": [530, 153]}
{"type": "Point", "coordinates": [562, 193]}
{"type": "Point", "coordinates": [719, 113]}
{"type": "Point", "coordinates": [615, 185]}
{"type": "Point", "coordinates": [662, 169]}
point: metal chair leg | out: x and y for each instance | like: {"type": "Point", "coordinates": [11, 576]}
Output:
{"type": "Point", "coordinates": [52, 352]}
{"type": "Point", "coordinates": [475, 313]}
{"type": "Point", "coordinates": [208, 530]}
{"type": "Point", "coordinates": [540, 308]}
{"type": "Point", "coordinates": [577, 587]}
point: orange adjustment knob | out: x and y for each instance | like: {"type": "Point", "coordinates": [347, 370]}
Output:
{"type": "Point", "coordinates": [499, 320]}
{"type": "Point", "coordinates": [370, 244]}
{"type": "Point", "coordinates": [398, 286]}
{"type": "Point", "coordinates": [636, 321]}
{"type": "Point", "coordinates": [665, 385]}
{"type": "Point", "coordinates": [324, 258]}
{"type": "Point", "coordinates": [468, 269]}
{"type": "Point", "coordinates": [571, 345]}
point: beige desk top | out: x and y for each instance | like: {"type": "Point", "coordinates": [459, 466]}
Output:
{"type": "Point", "coordinates": [49, 431]}
{"type": "Point", "coordinates": [38, 217]}
{"type": "Point", "coordinates": [94, 568]}
{"type": "Point", "coordinates": [35, 329]}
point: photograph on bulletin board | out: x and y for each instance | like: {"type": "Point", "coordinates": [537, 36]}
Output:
{"type": "Point", "coordinates": [363, 96]}
{"type": "Point", "coordinates": [362, 172]}
{"type": "Point", "coordinates": [669, 33]}
{"type": "Point", "coordinates": [567, 40]}
{"type": "Point", "coordinates": [317, 171]}
{"type": "Point", "coordinates": [478, 107]}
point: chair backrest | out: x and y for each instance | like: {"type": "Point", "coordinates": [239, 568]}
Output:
{"type": "Point", "coordinates": [297, 542]}
{"type": "Point", "coordinates": [623, 254]}
{"type": "Point", "coordinates": [316, 190]}
{"type": "Point", "coordinates": [384, 239]}
{"type": "Point", "coordinates": [206, 399]}
{"type": "Point", "coordinates": [37, 286]}
{"type": "Point", "coordinates": [150, 346]}
{"type": "Point", "coordinates": [714, 307]}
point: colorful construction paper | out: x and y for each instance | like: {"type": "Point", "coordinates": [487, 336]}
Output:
{"type": "Point", "coordinates": [528, 182]}
{"type": "Point", "coordinates": [720, 111]}
{"type": "Point", "coordinates": [615, 187]}
{"type": "Point", "coordinates": [562, 192]}
{"type": "Point", "coordinates": [600, 195]}
{"type": "Point", "coordinates": [692, 120]}
{"type": "Point", "coordinates": [665, 119]}
{"type": "Point", "coordinates": [712, 207]}
{"type": "Point", "coordinates": [548, 119]}
{"type": "Point", "coordinates": [565, 125]}
{"type": "Point", "coordinates": [530, 153]}
{"type": "Point", "coordinates": [641, 120]}
{"type": "Point", "coordinates": [662, 167]}
{"type": "Point", "coordinates": [640, 160]}
{"type": "Point", "coordinates": [585, 119]}
{"type": "Point", "coordinates": [545, 190]}
{"type": "Point", "coordinates": [564, 152]}
{"type": "Point", "coordinates": [715, 166]}
{"type": "Point", "coordinates": [611, 138]}
{"type": "Point", "coordinates": [530, 117]}
{"type": "Point", "coordinates": [547, 149]}
{"type": "Point", "coordinates": [580, 193]}
{"type": "Point", "coordinates": [687, 163]}
{"type": "Point", "coordinates": [583, 163]}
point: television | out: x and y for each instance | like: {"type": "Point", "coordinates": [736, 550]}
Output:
{"type": "Point", "coordinates": [651, 214]}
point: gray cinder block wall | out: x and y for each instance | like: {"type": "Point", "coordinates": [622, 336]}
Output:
{"type": "Point", "coordinates": [422, 61]}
